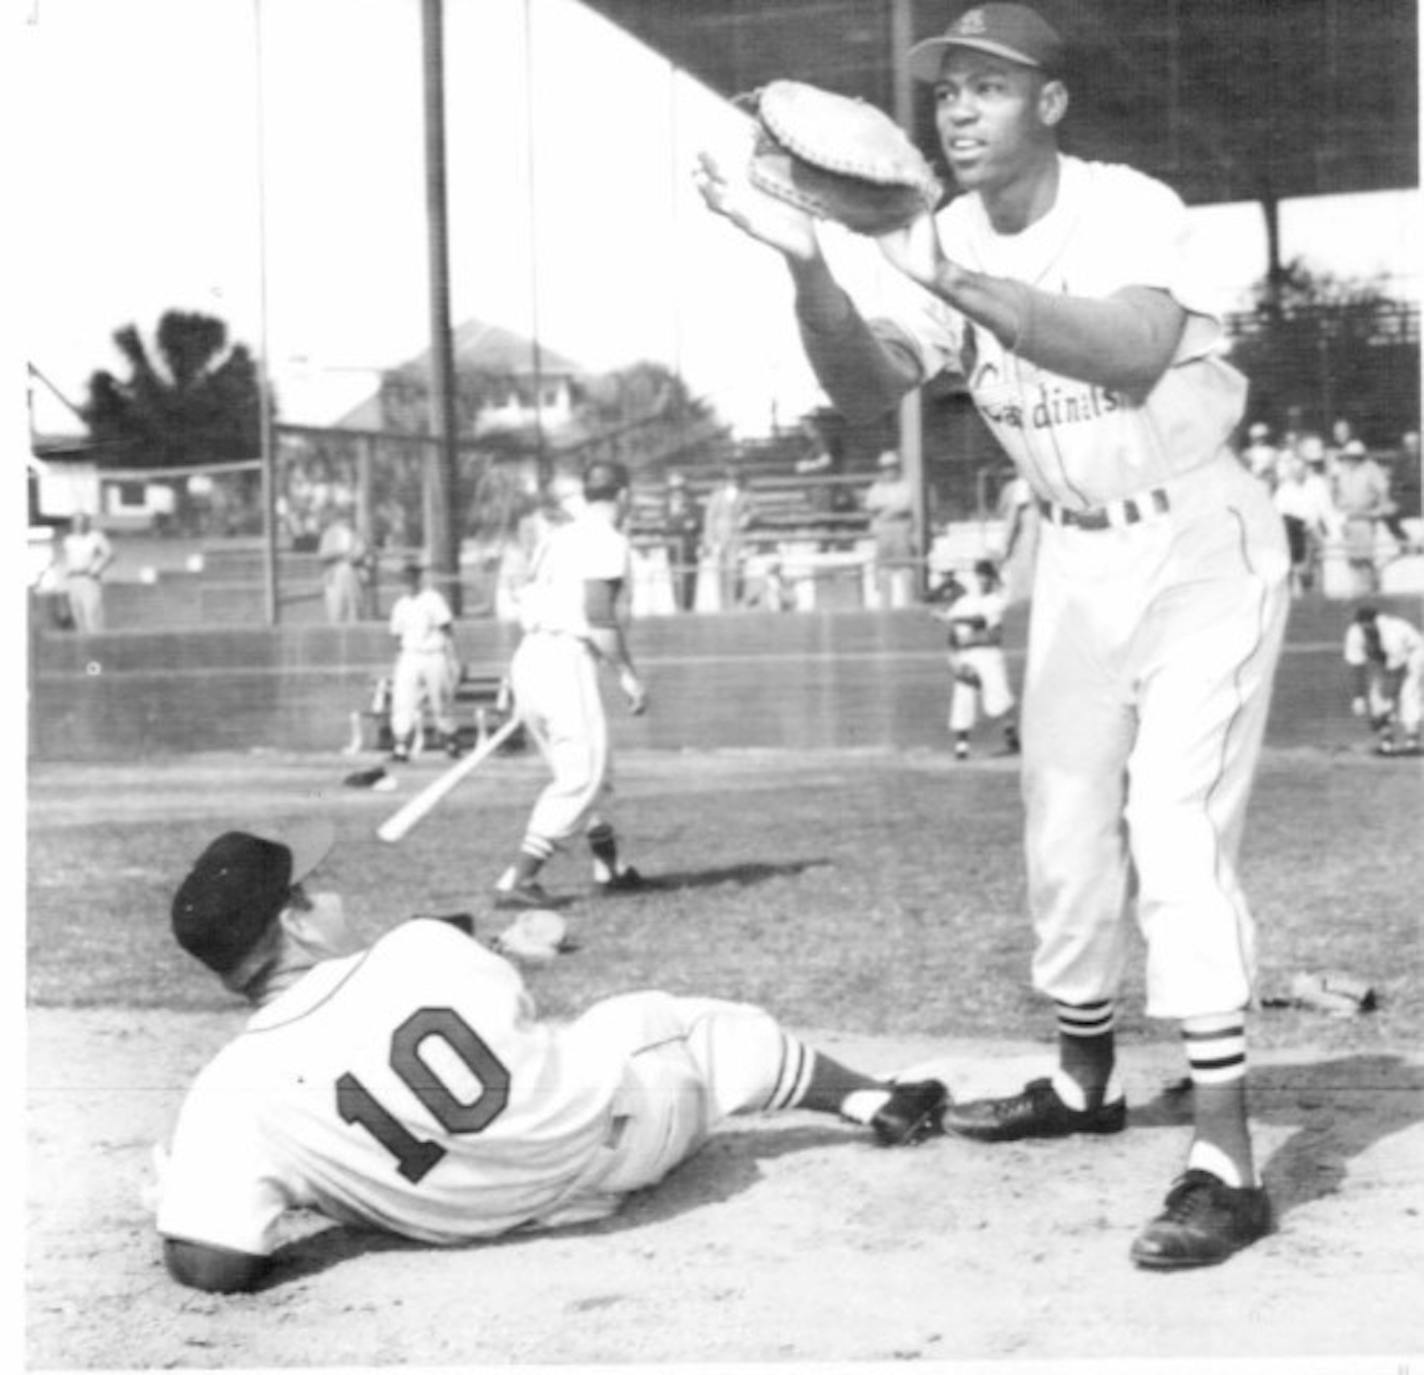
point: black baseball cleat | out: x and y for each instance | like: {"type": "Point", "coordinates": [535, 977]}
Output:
{"type": "Point", "coordinates": [1203, 1222]}
{"type": "Point", "coordinates": [523, 897]}
{"type": "Point", "coordinates": [913, 1113]}
{"type": "Point", "coordinates": [1037, 1111]}
{"type": "Point", "coordinates": [626, 880]}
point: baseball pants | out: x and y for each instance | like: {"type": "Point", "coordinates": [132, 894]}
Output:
{"type": "Point", "coordinates": [1398, 691]}
{"type": "Point", "coordinates": [554, 679]}
{"type": "Point", "coordinates": [1152, 649]}
{"type": "Point", "coordinates": [991, 691]}
{"type": "Point", "coordinates": [422, 675]}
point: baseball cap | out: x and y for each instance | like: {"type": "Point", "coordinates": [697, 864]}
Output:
{"type": "Point", "coordinates": [237, 887]}
{"type": "Point", "coordinates": [1010, 31]}
{"type": "Point", "coordinates": [1353, 449]}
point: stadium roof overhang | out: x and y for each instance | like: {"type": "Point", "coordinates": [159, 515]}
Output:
{"type": "Point", "coordinates": [1226, 100]}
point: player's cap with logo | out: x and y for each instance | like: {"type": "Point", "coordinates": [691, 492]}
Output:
{"type": "Point", "coordinates": [1010, 31]}
{"type": "Point", "coordinates": [237, 887]}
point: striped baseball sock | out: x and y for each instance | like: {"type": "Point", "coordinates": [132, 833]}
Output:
{"type": "Point", "coordinates": [1087, 1053]}
{"type": "Point", "coordinates": [533, 851]}
{"type": "Point", "coordinates": [802, 1079]}
{"type": "Point", "coordinates": [604, 844]}
{"type": "Point", "coordinates": [1216, 1057]}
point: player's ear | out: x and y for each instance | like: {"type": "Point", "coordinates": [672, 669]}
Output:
{"type": "Point", "coordinates": [1052, 102]}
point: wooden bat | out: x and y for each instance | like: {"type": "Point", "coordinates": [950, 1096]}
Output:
{"type": "Point", "coordinates": [398, 824]}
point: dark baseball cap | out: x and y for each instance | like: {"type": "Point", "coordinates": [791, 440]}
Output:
{"type": "Point", "coordinates": [1010, 31]}
{"type": "Point", "coordinates": [239, 885]}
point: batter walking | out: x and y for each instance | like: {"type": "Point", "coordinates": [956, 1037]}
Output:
{"type": "Point", "coordinates": [409, 1086]}
{"type": "Point", "coordinates": [426, 668]}
{"type": "Point", "coordinates": [1062, 292]}
{"type": "Point", "coordinates": [572, 614]}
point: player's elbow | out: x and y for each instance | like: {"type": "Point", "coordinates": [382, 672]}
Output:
{"type": "Point", "coordinates": [213, 1269]}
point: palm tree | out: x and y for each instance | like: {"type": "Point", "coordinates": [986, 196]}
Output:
{"type": "Point", "coordinates": [198, 403]}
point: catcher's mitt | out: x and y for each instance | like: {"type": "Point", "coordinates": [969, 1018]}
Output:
{"type": "Point", "coordinates": [535, 937]}
{"type": "Point", "coordinates": [837, 158]}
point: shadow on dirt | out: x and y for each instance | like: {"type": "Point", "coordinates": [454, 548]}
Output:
{"type": "Point", "coordinates": [743, 875]}
{"type": "Point", "coordinates": [1340, 1108]}
{"type": "Point", "coordinates": [726, 1166]}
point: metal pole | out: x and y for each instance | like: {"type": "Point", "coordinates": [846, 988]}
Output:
{"type": "Point", "coordinates": [271, 600]}
{"type": "Point", "coordinates": [536, 351]}
{"type": "Point", "coordinates": [442, 459]}
{"type": "Point", "coordinates": [911, 427]}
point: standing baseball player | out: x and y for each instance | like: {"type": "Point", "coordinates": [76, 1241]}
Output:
{"type": "Point", "coordinates": [572, 613]}
{"type": "Point", "coordinates": [1061, 290]}
{"type": "Point", "coordinates": [978, 670]}
{"type": "Point", "coordinates": [427, 666]}
{"type": "Point", "coordinates": [408, 1085]}
{"type": "Point", "coordinates": [87, 554]}
{"type": "Point", "coordinates": [1386, 658]}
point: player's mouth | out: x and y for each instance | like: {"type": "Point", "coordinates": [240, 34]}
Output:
{"type": "Point", "coordinates": [964, 150]}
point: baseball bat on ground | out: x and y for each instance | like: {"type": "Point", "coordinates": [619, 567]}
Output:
{"type": "Point", "coordinates": [398, 824]}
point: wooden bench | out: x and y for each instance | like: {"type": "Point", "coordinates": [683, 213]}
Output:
{"type": "Point", "coordinates": [483, 704]}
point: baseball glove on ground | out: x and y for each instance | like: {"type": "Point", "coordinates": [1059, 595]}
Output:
{"type": "Point", "coordinates": [837, 158]}
{"type": "Point", "coordinates": [535, 937]}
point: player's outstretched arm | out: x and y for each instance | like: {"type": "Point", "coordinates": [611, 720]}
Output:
{"type": "Point", "coordinates": [212, 1268]}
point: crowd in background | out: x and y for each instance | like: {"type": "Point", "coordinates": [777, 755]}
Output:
{"type": "Point", "coordinates": [1336, 493]}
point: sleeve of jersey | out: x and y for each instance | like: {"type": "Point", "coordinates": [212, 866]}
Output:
{"type": "Point", "coordinates": [219, 1188]}
{"type": "Point", "coordinates": [1146, 240]}
{"type": "Point", "coordinates": [895, 308]}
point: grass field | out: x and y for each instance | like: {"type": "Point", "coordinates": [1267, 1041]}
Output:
{"type": "Point", "coordinates": [869, 891]}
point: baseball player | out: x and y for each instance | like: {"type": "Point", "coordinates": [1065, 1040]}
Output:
{"type": "Point", "coordinates": [87, 554]}
{"type": "Point", "coordinates": [409, 1086]}
{"type": "Point", "coordinates": [1061, 290]}
{"type": "Point", "coordinates": [980, 674]}
{"type": "Point", "coordinates": [572, 614]}
{"type": "Point", "coordinates": [426, 667]}
{"type": "Point", "coordinates": [1386, 658]}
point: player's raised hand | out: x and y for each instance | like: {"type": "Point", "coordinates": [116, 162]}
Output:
{"type": "Point", "coordinates": [770, 221]}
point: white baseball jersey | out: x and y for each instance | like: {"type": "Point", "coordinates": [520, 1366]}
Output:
{"type": "Point", "coordinates": [410, 1088]}
{"type": "Point", "coordinates": [586, 548]}
{"type": "Point", "coordinates": [419, 621]}
{"type": "Point", "coordinates": [1157, 618]}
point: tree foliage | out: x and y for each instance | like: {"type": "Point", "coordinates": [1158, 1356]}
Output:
{"type": "Point", "coordinates": [197, 401]}
{"type": "Point", "coordinates": [1317, 347]}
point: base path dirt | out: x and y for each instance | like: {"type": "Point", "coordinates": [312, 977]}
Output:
{"type": "Point", "coordinates": [789, 1238]}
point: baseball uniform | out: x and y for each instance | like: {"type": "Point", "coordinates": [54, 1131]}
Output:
{"type": "Point", "coordinates": [1159, 602]}
{"type": "Point", "coordinates": [554, 671]}
{"type": "Point", "coordinates": [87, 553]}
{"type": "Point", "coordinates": [1392, 666]}
{"type": "Point", "coordinates": [410, 1088]}
{"type": "Point", "coordinates": [425, 666]}
{"type": "Point", "coordinates": [976, 657]}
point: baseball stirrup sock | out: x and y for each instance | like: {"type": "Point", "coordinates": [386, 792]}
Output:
{"type": "Point", "coordinates": [1086, 1052]}
{"type": "Point", "coordinates": [1216, 1057]}
{"type": "Point", "coordinates": [603, 842]}
{"type": "Point", "coordinates": [793, 1076]}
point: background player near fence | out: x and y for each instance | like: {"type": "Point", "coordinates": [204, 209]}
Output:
{"type": "Point", "coordinates": [87, 556]}
{"type": "Point", "coordinates": [1061, 290]}
{"type": "Point", "coordinates": [572, 613]}
{"type": "Point", "coordinates": [409, 1086]}
{"type": "Point", "coordinates": [427, 667]}
{"type": "Point", "coordinates": [978, 670]}
{"type": "Point", "coordinates": [1385, 654]}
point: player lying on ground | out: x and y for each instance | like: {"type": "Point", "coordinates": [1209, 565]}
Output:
{"type": "Point", "coordinates": [410, 1087]}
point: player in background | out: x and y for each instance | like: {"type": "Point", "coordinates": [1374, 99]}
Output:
{"type": "Point", "coordinates": [410, 1087]}
{"type": "Point", "coordinates": [426, 668]}
{"type": "Point", "coordinates": [975, 618]}
{"type": "Point", "coordinates": [1061, 290]}
{"type": "Point", "coordinates": [1385, 654]}
{"type": "Point", "coordinates": [573, 612]}
{"type": "Point", "coordinates": [87, 555]}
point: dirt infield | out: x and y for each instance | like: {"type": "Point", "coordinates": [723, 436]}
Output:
{"type": "Point", "coordinates": [787, 1239]}
{"type": "Point", "coordinates": [791, 1239]}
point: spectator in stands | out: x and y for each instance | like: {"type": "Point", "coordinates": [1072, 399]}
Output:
{"type": "Point", "coordinates": [344, 562]}
{"type": "Point", "coordinates": [1362, 498]}
{"type": "Point", "coordinates": [890, 500]}
{"type": "Point", "coordinates": [1302, 497]}
{"type": "Point", "coordinates": [682, 529]}
{"type": "Point", "coordinates": [1342, 433]}
{"type": "Point", "coordinates": [1405, 519]}
{"type": "Point", "coordinates": [87, 554]}
{"type": "Point", "coordinates": [1260, 456]}
{"type": "Point", "coordinates": [725, 522]}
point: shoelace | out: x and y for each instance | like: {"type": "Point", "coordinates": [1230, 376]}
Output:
{"type": "Point", "coordinates": [1190, 1198]}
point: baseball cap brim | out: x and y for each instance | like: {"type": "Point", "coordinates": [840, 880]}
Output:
{"type": "Point", "coordinates": [309, 841]}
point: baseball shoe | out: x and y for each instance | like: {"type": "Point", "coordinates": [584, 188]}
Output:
{"type": "Point", "coordinates": [523, 897]}
{"type": "Point", "coordinates": [913, 1113]}
{"type": "Point", "coordinates": [1037, 1111]}
{"type": "Point", "coordinates": [626, 880]}
{"type": "Point", "coordinates": [1203, 1222]}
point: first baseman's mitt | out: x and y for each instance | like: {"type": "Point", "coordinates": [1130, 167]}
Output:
{"type": "Point", "coordinates": [535, 937]}
{"type": "Point", "coordinates": [837, 158]}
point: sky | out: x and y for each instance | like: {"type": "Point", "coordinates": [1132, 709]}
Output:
{"type": "Point", "coordinates": [182, 154]}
